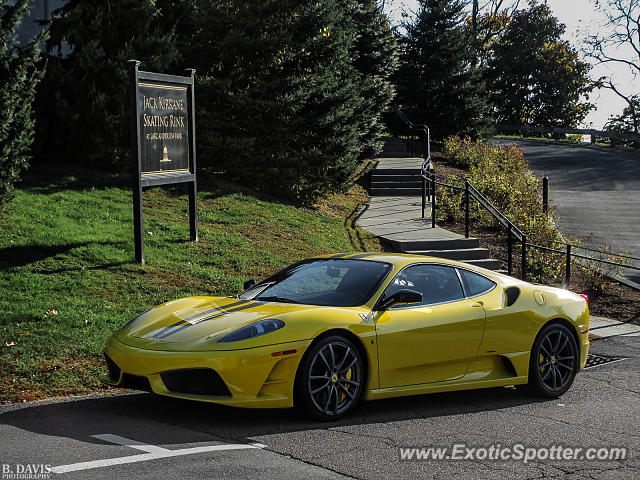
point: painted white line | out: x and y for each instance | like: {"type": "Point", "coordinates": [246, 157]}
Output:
{"type": "Point", "coordinates": [117, 439]}
{"type": "Point", "coordinates": [155, 453]}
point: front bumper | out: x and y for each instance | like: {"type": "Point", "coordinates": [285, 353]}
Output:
{"type": "Point", "coordinates": [254, 377]}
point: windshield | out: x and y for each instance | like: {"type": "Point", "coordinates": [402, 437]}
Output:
{"type": "Point", "coordinates": [327, 282]}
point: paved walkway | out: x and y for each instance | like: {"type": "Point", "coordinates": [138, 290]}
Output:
{"type": "Point", "coordinates": [606, 327]}
{"type": "Point", "coordinates": [399, 163]}
{"type": "Point", "coordinates": [595, 190]}
{"type": "Point", "coordinates": [397, 221]}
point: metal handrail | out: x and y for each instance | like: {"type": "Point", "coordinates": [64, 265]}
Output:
{"type": "Point", "coordinates": [422, 128]}
{"type": "Point", "coordinates": [426, 164]}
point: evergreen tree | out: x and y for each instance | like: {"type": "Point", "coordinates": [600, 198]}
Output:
{"type": "Point", "coordinates": [85, 98]}
{"type": "Point", "coordinates": [437, 83]}
{"type": "Point", "coordinates": [535, 77]}
{"type": "Point", "coordinates": [20, 72]}
{"type": "Point", "coordinates": [376, 59]}
{"type": "Point", "coordinates": [283, 104]}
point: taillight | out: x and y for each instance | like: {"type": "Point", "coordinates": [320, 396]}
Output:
{"type": "Point", "coordinates": [585, 296]}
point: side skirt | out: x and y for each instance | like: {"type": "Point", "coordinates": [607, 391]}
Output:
{"type": "Point", "coordinates": [461, 384]}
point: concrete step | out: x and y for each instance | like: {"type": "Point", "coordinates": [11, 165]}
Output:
{"type": "Point", "coordinates": [455, 254]}
{"type": "Point", "coordinates": [488, 263]}
{"type": "Point", "coordinates": [376, 177]}
{"type": "Point", "coordinates": [396, 192]}
{"type": "Point", "coordinates": [401, 150]}
{"type": "Point", "coordinates": [440, 244]}
{"type": "Point", "coordinates": [400, 184]}
{"type": "Point", "coordinates": [396, 171]}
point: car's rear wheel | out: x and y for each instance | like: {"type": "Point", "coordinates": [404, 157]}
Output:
{"type": "Point", "coordinates": [331, 378]}
{"type": "Point", "coordinates": [554, 361]}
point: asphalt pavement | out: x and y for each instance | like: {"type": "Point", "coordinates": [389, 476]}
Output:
{"type": "Point", "coordinates": [595, 190]}
{"type": "Point", "coordinates": [144, 436]}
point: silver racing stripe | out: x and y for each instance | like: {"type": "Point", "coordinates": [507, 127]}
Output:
{"type": "Point", "coordinates": [211, 317]}
{"type": "Point", "coordinates": [193, 319]}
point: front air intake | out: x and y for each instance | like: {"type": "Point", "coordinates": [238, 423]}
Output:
{"type": "Point", "coordinates": [195, 381]}
{"type": "Point", "coordinates": [135, 382]}
{"type": "Point", "coordinates": [114, 370]}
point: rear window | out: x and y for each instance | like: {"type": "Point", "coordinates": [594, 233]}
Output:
{"type": "Point", "coordinates": [475, 284]}
{"type": "Point", "coordinates": [437, 283]}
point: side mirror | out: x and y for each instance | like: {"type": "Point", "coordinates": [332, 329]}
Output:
{"type": "Point", "coordinates": [249, 283]}
{"type": "Point", "coordinates": [401, 296]}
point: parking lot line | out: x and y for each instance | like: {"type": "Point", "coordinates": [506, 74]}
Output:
{"type": "Point", "coordinates": [153, 452]}
{"type": "Point", "coordinates": [117, 439]}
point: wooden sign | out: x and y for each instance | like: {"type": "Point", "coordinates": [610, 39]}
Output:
{"type": "Point", "coordinates": [163, 140]}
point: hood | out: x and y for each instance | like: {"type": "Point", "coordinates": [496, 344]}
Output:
{"type": "Point", "coordinates": [192, 318]}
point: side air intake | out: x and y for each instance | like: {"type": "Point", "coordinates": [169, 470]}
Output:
{"type": "Point", "coordinates": [511, 295]}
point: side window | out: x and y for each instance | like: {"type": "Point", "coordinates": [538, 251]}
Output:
{"type": "Point", "coordinates": [475, 284]}
{"type": "Point", "coordinates": [437, 283]}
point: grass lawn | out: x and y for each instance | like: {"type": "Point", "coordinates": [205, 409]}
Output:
{"type": "Point", "coordinates": [68, 280]}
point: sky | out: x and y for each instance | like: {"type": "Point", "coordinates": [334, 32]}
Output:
{"type": "Point", "coordinates": [581, 17]}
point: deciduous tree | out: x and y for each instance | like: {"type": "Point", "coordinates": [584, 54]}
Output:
{"type": "Point", "coordinates": [618, 43]}
{"type": "Point", "coordinates": [535, 77]}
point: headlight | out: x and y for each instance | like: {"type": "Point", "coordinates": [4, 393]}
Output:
{"type": "Point", "coordinates": [253, 330]}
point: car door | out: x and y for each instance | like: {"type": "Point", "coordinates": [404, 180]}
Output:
{"type": "Point", "coordinates": [433, 341]}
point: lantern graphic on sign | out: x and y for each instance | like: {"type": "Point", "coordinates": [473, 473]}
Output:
{"type": "Point", "coordinates": [165, 155]}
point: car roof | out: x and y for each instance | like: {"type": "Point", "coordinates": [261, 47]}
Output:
{"type": "Point", "coordinates": [397, 259]}
{"type": "Point", "coordinates": [400, 260]}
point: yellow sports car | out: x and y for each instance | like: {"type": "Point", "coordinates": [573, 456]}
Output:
{"type": "Point", "coordinates": [326, 332]}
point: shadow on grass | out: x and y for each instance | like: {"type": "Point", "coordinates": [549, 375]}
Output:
{"type": "Point", "coordinates": [53, 180]}
{"type": "Point", "coordinates": [22, 255]}
{"type": "Point", "coordinates": [211, 184]}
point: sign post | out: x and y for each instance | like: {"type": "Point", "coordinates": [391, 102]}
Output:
{"type": "Point", "coordinates": [163, 140]}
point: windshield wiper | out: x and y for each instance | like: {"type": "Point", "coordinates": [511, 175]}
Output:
{"type": "Point", "coordinates": [274, 298]}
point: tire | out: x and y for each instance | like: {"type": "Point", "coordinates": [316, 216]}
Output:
{"type": "Point", "coordinates": [330, 379]}
{"type": "Point", "coordinates": [554, 362]}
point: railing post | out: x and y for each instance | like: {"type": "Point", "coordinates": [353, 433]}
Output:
{"type": "Point", "coordinates": [433, 202]}
{"type": "Point", "coordinates": [424, 194]}
{"type": "Point", "coordinates": [509, 251]}
{"type": "Point", "coordinates": [523, 275]}
{"type": "Point", "coordinates": [567, 278]}
{"type": "Point", "coordinates": [545, 194]}
{"type": "Point", "coordinates": [466, 209]}
{"type": "Point", "coordinates": [425, 152]}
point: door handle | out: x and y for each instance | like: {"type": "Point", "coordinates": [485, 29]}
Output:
{"type": "Point", "coordinates": [479, 303]}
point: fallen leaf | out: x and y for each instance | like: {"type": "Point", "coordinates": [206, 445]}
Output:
{"type": "Point", "coordinates": [7, 344]}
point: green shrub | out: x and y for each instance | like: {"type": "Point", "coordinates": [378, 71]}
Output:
{"type": "Point", "coordinates": [501, 174]}
{"type": "Point", "coordinates": [595, 274]}
{"type": "Point", "coordinates": [20, 73]}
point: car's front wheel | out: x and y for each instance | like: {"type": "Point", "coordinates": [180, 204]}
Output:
{"type": "Point", "coordinates": [554, 361]}
{"type": "Point", "coordinates": [330, 378]}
